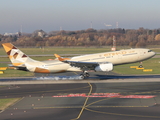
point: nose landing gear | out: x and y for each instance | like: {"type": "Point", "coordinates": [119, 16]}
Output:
{"type": "Point", "coordinates": [140, 66]}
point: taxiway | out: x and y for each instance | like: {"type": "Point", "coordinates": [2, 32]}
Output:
{"type": "Point", "coordinates": [119, 98]}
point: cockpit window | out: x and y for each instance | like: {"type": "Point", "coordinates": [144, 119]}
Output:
{"type": "Point", "coordinates": [149, 50]}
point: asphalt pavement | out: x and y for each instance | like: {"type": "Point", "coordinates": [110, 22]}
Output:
{"type": "Point", "coordinates": [84, 101]}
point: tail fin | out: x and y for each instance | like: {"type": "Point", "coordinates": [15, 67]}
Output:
{"type": "Point", "coordinates": [17, 57]}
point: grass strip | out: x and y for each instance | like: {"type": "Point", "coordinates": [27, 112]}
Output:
{"type": "Point", "coordinates": [4, 103]}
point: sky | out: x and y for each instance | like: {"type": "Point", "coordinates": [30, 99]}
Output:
{"type": "Point", "coordinates": [53, 15]}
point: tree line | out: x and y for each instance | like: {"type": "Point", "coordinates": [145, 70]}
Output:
{"type": "Point", "coordinates": [124, 37]}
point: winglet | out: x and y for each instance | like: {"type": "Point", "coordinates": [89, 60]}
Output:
{"type": "Point", "coordinates": [56, 55]}
{"type": "Point", "coordinates": [59, 57]}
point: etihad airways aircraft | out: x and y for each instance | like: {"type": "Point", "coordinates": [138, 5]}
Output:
{"type": "Point", "coordinates": [97, 62]}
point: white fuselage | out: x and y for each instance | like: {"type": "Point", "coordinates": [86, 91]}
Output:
{"type": "Point", "coordinates": [114, 57]}
{"type": "Point", "coordinates": [98, 62]}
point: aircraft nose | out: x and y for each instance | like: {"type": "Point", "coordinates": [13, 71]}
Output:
{"type": "Point", "coordinates": [154, 53]}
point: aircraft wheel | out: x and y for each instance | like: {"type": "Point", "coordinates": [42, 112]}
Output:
{"type": "Point", "coordinates": [82, 76]}
{"type": "Point", "coordinates": [87, 74]}
{"type": "Point", "coordinates": [140, 66]}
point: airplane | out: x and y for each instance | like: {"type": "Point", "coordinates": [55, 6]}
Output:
{"type": "Point", "coordinates": [102, 62]}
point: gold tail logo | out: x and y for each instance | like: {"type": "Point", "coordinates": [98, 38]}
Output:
{"type": "Point", "coordinates": [16, 56]}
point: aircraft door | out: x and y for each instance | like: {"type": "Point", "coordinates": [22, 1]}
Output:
{"type": "Point", "coordinates": [119, 56]}
{"type": "Point", "coordinates": [141, 55]}
{"type": "Point", "coordinates": [119, 60]}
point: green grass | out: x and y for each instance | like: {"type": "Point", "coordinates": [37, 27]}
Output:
{"type": "Point", "coordinates": [121, 69]}
{"type": "Point", "coordinates": [13, 73]}
{"type": "Point", "coordinates": [4, 103]}
{"type": "Point", "coordinates": [4, 61]}
{"type": "Point", "coordinates": [153, 63]}
{"type": "Point", "coordinates": [69, 50]}
{"type": "Point", "coordinates": [16, 73]}
{"type": "Point", "coordinates": [61, 50]}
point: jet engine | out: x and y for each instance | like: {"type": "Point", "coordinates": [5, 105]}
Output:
{"type": "Point", "coordinates": [104, 67]}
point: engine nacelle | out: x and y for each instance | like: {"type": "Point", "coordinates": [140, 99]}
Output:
{"type": "Point", "coordinates": [105, 67]}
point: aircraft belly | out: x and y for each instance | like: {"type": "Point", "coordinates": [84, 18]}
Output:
{"type": "Point", "coordinates": [58, 68]}
{"type": "Point", "coordinates": [74, 69]}
{"type": "Point", "coordinates": [143, 57]}
{"type": "Point", "coordinates": [129, 59]}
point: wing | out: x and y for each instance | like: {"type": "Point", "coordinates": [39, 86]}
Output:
{"type": "Point", "coordinates": [84, 66]}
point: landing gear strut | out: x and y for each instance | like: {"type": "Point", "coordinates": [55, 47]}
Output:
{"type": "Point", "coordinates": [140, 66]}
{"type": "Point", "coordinates": [84, 75]}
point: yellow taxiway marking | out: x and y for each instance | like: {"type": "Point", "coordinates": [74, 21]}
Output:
{"type": "Point", "coordinates": [84, 103]}
{"type": "Point", "coordinates": [121, 114]}
{"type": "Point", "coordinates": [97, 101]}
{"type": "Point", "coordinates": [75, 73]}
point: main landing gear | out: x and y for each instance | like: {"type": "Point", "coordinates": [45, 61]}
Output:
{"type": "Point", "coordinates": [84, 75]}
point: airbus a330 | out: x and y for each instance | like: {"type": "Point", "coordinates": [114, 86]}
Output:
{"type": "Point", "coordinates": [103, 62]}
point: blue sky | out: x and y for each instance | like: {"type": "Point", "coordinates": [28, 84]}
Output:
{"type": "Point", "coordinates": [50, 15]}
